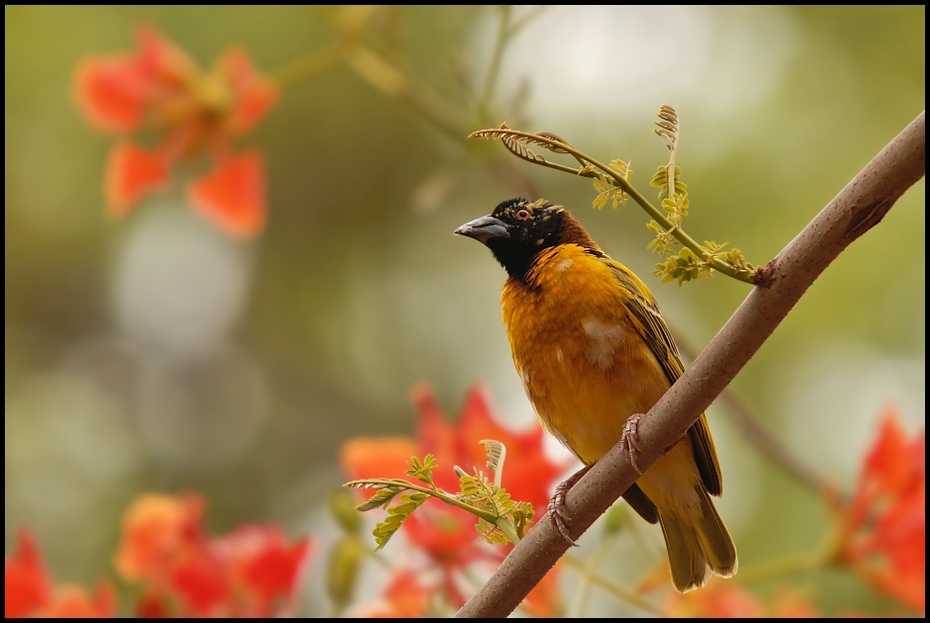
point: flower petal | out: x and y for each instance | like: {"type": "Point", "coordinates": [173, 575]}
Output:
{"type": "Point", "coordinates": [884, 528]}
{"type": "Point", "coordinates": [27, 586]}
{"type": "Point", "coordinates": [273, 573]}
{"type": "Point", "coordinates": [131, 174]}
{"type": "Point", "coordinates": [112, 92]}
{"type": "Point", "coordinates": [233, 195]}
{"type": "Point", "coordinates": [166, 63]}
{"type": "Point", "coordinates": [201, 584]}
{"type": "Point", "coordinates": [381, 457]}
{"type": "Point", "coordinates": [253, 95]}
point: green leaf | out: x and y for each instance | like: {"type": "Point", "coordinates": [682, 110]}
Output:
{"type": "Point", "coordinates": [381, 498]}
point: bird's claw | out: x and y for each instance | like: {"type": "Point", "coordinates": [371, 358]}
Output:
{"type": "Point", "coordinates": [556, 509]}
{"type": "Point", "coordinates": [629, 441]}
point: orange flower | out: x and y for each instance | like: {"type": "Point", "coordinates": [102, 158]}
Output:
{"type": "Point", "coordinates": [882, 534]}
{"type": "Point", "coordinates": [370, 457]}
{"type": "Point", "coordinates": [251, 572]}
{"type": "Point", "coordinates": [73, 602]}
{"type": "Point", "coordinates": [160, 88]}
{"type": "Point", "coordinates": [29, 591]}
{"type": "Point", "coordinates": [157, 531]}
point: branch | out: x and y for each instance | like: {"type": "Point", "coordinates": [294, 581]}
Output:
{"type": "Point", "coordinates": [856, 209]}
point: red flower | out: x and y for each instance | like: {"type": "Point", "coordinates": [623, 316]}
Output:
{"type": "Point", "coordinates": [27, 585]}
{"type": "Point", "coordinates": [264, 567]}
{"type": "Point", "coordinates": [28, 590]}
{"type": "Point", "coordinates": [528, 474]}
{"type": "Point", "coordinates": [882, 532]}
{"type": "Point", "coordinates": [251, 572]}
{"type": "Point", "coordinates": [446, 534]}
{"type": "Point", "coordinates": [159, 87]}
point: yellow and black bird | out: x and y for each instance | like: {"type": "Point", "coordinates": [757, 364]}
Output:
{"type": "Point", "coordinates": [594, 353]}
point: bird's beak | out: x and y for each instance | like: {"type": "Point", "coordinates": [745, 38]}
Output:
{"type": "Point", "coordinates": [483, 229]}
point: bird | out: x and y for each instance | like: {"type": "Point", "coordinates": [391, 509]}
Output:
{"type": "Point", "coordinates": [594, 353]}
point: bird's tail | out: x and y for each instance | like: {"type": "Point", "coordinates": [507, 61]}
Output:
{"type": "Point", "coordinates": [697, 543]}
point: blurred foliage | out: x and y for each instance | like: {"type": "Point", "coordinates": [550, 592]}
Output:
{"type": "Point", "coordinates": [357, 287]}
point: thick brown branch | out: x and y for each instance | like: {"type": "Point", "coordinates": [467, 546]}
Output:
{"type": "Point", "coordinates": [855, 210]}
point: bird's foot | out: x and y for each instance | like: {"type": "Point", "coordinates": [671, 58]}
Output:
{"type": "Point", "coordinates": [556, 508]}
{"type": "Point", "coordinates": [629, 441]}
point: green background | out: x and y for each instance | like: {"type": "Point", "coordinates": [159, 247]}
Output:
{"type": "Point", "coordinates": [154, 353]}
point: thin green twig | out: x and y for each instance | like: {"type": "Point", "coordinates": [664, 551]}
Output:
{"type": "Point", "coordinates": [613, 588]}
{"type": "Point", "coordinates": [620, 182]}
{"type": "Point", "coordinates": [306, 66]}
{"type": "Point", "coordinates": [394, 83]}
{"type": "Point", "coordinates": [436, 493]}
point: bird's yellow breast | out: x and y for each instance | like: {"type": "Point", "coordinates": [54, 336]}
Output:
{"type": "Point", "coordinates": [583, 364]}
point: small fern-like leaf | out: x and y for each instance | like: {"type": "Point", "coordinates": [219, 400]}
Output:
{"type": "Point", "coordinates": [496, 452]}
{"type": "Point", "coordinates": [469, 486]}
{"type": "Point", "coordinates": [490, 533]}
{"type": "Point", "coordinates": [517, 143]}
{"type": "Point", "coordinates": [422, 470]}
{"type": "Point", "coordinates": [380, 499]}
{"type": "Point", "coordinates": [397, 514]}
{"type": "Point", "coordinates": [667, 127]}
{"type": "Point", "coordinates": [555, 137]}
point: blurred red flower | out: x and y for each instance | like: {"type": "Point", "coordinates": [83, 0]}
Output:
{"type": "Point", "coordinates": [252, 571]}
{"type": "Point", "coordinates": [447, 535]}
{"type": "Point", "coordinates": [882, 532]}
{"type": "Point", "coordinates": [28, 589]}
{"type": "Point", "coordinates": [158, 87]}
{"type": "Point", "coordinates": [404, 598]}
{"type": "Point", "coordinates": [729, 599]}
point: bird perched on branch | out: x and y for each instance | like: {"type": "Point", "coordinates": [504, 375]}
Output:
{"type": "Point", "coordinates": [594, 354]}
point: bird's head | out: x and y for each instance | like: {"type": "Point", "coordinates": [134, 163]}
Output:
{"type": "Point", "coordinates": [518, 230]}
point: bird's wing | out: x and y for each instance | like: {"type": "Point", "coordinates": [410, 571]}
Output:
{"type": "Point", "coordinates": [652, 328]}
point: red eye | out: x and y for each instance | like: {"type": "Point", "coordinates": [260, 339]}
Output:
{"type": "Point", "coordinates": [522, 215]}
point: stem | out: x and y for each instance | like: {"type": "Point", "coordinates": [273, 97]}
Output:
{"type": "Point", "coordinates": [518, 25]}
{"type": "Point", "coordinates": [613, 588]}
{"type": "Point", "coordinates": [507, 528]}
{"type": "Point", "coordinates": [436, 493]}
{"type": "Point", "coordinates": [394, 83]}
{"type": "Point", "coordinates": [789, 565]}
{"type": "Point", "coordinates": [306, 66]}
{"type": "Point", "coordinates": [497, 54]}
{"type": "Point", "coordinates": [506, 31]}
